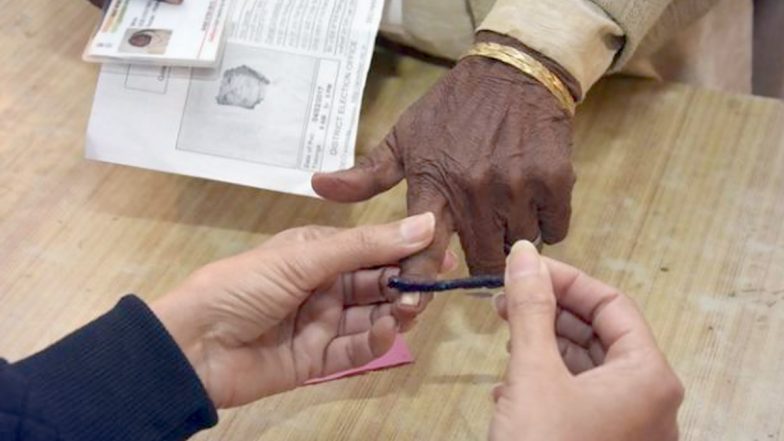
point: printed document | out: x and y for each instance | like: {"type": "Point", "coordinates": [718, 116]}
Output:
{"type": "Point", "coordinates": [282, 104]}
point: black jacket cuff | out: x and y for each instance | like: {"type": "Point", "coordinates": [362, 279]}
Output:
{"type": "Point", "coordinates": [121, 377]}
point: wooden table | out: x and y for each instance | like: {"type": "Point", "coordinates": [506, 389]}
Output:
{"type": "Point", "coordinates": [680, 202]}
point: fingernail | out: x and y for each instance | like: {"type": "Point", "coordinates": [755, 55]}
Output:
{"type": "Point", "coordinates": [419, 228]}
{"type": "Point", "coordinates": [523, 260]}
{"type": "Point", "coordinates": [410, 299]}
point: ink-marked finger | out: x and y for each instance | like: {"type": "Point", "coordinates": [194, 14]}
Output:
{"type": "Point", "coordinates": [426, 264]}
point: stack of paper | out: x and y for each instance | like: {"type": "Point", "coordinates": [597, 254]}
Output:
{"type": "Point", "coordinates": [282, 103]}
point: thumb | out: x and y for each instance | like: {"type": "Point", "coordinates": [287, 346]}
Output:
{"type": "Point", "coordinates": [531, 309]}
{"type": "Point", "coordinates": [377, 172]}
{"type": "Point", "coordinates": [361, 247]}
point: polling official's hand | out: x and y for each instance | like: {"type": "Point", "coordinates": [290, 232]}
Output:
{"type": "Point", "coordinates": [308, 303]}
{"type": "Point", "coordinates": [584, 364]}
{"type": "Point", "coordinates": [487, 149]}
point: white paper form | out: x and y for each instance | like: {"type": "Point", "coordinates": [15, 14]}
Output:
{"type": "Point", "coordinates": [283, 103]}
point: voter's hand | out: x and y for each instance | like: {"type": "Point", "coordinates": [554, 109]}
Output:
{"type": "Point", "coordinates": [308, 303]}
{"type": "Point", "coordinates": [487, 149]}
{"type": "Point", "coordinates": [583, 364]}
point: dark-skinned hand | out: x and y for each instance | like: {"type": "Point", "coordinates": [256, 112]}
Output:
{"type": "Point", "coordinates": [487, 150]}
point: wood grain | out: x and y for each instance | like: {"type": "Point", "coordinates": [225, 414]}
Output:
{"type": "Point", "coordinates": [679, 202]}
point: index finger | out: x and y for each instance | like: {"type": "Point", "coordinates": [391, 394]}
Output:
{"type": "Point", "coordinates": [615, 318]}
{"type": "Point", "coordinates": [426, 264]}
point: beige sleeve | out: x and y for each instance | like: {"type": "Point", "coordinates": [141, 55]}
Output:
{"type": "Point", "coordinates": [637, 17]}
{"type": "Point", "coordinates": [586, 37]}
{"type": "Point", "coordinates": [575, 33]}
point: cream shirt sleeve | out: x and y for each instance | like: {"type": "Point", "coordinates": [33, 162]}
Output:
{"type": "Point", "coordinates": [577, 34]}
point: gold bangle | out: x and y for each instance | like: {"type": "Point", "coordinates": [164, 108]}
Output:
{"type": "Point", "coordinates": [528, 65]}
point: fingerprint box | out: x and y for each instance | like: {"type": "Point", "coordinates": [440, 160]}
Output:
{"type": "Point", "coordinates": [160, 32]}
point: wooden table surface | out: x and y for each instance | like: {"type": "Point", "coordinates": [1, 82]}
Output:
{"type": "Point", "coordinates": [680, 201]}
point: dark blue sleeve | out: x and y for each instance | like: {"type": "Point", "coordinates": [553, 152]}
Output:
{"type": "Point", "coordinates": [121, 377]}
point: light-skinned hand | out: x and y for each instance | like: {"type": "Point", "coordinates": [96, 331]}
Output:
{"type": "Point", "coordinates": [308, 303]}
{"type": "Point", "coordinates": [584, 364]}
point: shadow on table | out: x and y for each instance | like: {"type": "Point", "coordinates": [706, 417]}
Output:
{"type": "Point", "coordinates": [289, 410]}
{"type": "Point", "coordinates": [174, 199]}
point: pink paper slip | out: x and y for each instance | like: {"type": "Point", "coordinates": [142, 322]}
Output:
{"type": "Point", "coordinates": [398, 355]}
